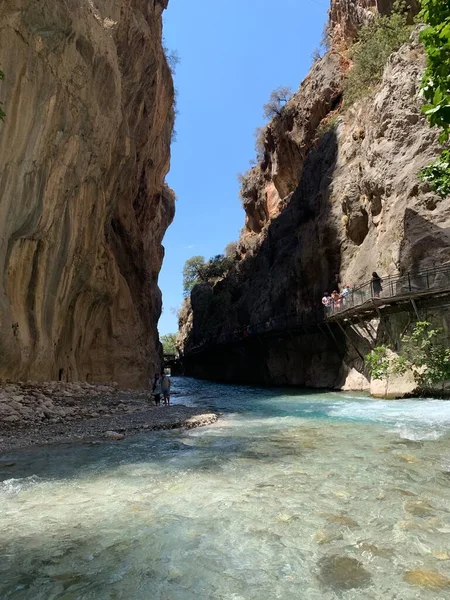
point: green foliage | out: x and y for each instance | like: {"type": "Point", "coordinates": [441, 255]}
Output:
{"type": "Point", "coordinates": [168, 341]}
{"type": "Point", "coordinates": [216, 267]}
{"type": "Point", "coordinates": [425, 354]}
{"type": "Point", "coordinates": [196, 270]}
{"type": "Point", "coordinates": [436, 81]}
{"type": "Point", "coordinates": [2, 114]}
{"type": "Point", "coordinates": [277, 101]}
{"type": "Point", "coordinates": [192, 273]}
{"type": "Point", "coordinates": [438, 174]}
{"type": "Point", "coordinates": [376, 42]}
{"type": "Point", "coordinates": [378, 363]}
{"type": "Point", "coordinates": [436, 87]}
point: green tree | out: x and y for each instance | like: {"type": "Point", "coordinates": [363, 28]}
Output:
{"type": "Point", "coordinates": [378, 363]}
{"type": "Point", "coordinates": [278, 99]}
{"type": "Point", "coordinates": [423, 352]}
{"type": "Point", "coordinates": [168, 341]}
{"type": "Point", "coordinates": [436, 80]}
{"type": "Point", "coordinates": [436, 87]}
{"type": "Point", "coordinates": [192, 273]}
{"type": "Point", "coordinates": [215, 268]}
{"type": "Point", "coordinates": [2, 114]}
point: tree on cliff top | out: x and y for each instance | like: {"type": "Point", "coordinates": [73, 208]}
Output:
{"type": "Point", "coordinates": [196, 271]}
{"type": "Point", "coordinates": [192, 273]}
{"type": "Point", "coordinates": [278, 99]}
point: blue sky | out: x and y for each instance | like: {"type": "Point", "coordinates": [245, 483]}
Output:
{"type": "Point", "coordinates": [233, 53]}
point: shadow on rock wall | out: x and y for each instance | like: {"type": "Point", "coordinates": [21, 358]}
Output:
{"type": "Point", "coordinates": [297, 260]}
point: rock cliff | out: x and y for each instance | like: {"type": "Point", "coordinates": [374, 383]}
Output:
{"type": "Point", "coordinates": [84, 151]}
{"type": "Point", "coordinates": [335, 197]}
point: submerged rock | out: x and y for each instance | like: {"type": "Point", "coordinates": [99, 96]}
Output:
{"type": "Point", "coordinates": [343, 573]}
{"type": "Point", "coordinates": [410, 458]}
{"type": "Point", "coordinates": [343, 520]}
{"type": "Point", "coordinates": [419, 508]}
{"type": "Point", "coordinates": [440, 555]}
{"type": "Point", "coordinates": [375, 550]}
{"type": "Point", "coordinates": [427, 579]}
{"type": "Point", "coordinates": [327, 536]}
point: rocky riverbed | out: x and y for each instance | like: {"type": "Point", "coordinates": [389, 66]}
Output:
{"type": "Point", "coordinates": [40, 413]}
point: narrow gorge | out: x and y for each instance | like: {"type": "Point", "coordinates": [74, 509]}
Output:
{"type": "Point", "coordinates": [84, 150]}
{"type": "Point", "coordinates": [119, 481]}
{"type": "Point", "coordinates": [334, 197]}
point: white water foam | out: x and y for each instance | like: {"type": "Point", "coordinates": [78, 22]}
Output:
{"type": "Point", "coordinates": [12, 487]}
{"type": "Point", "coordinates": [412, 419]}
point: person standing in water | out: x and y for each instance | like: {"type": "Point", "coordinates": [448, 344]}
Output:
{"type": "Point", "coordinates": [165, 387]}
{"type": "Point", "coordinates": [157, 389]}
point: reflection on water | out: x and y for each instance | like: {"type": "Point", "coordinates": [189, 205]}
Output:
{"type": "Point", "coordinates": [291, 495]}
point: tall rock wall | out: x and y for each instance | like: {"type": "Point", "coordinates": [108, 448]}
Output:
{"type": "Point", "coordinates": [84, 151]}
{"type": "Point", "coordinates": [335, 197]}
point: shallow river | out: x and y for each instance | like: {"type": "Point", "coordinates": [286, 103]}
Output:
{"type": "Point", "coordinates": [292, 495]}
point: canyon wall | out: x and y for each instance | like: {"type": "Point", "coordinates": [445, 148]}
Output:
{"type": "Point", "coordinates": [335, 196]}
{"type": "Point", "coordinates": [84, 151]}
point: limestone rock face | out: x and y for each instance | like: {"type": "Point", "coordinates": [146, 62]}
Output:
{"type": "Point", "coordinates": [347, 16]}
{"type": "Point", "coordinates": [84, 151]}
{"type": "Point", "coordinates": [350, 203]}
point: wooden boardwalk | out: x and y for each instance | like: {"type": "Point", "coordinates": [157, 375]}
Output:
{"type": "Point", "coordinates": [411, 292]}
{"type": "Point", "coordinates": [400, 293]}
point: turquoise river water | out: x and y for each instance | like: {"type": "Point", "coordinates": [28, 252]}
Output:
{"type": "Point", "coordinates": [291, 495]}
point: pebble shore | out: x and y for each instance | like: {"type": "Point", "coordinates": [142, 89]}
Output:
{"type": "Point", "coordinates": [55, 412]}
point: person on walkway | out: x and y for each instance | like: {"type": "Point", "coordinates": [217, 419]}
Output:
{"type": "Point", "coordinates": [336, 300]}
{"type": "Point", "coordinates": [326, 300]}
{"type": "Point", "coordinates": [346, 295]}
{"type": "Point", "coordinates": [377, 288]}
{"type": "Point", "coordinates": [165, 387]}
{"type": "Point", "coordinates": [157, 389]}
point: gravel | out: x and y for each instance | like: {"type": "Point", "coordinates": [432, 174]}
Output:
{"type": "Point", "coordinates": [38, 414]}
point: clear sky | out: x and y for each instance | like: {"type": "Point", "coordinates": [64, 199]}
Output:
{"type": "Point", "coordinates": [233, 53]}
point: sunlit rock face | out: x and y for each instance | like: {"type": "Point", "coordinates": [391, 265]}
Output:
{"type": "Point", "coordinates": [347, 16]}
{"type": "Point", "coordinates": [349, 203]}
{"type": "Point", "coordinates": [84, 151]}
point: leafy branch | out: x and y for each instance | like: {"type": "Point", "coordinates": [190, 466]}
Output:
{"type": "Point", "coordinates": [436, 87]}
{"type": "Point", "coordinates": [423, 353]}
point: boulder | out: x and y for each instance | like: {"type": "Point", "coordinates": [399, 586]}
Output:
{"type": "Point", "coordinates": [355, 382]}
{"type": "Point", "coordinates": [113, 435]}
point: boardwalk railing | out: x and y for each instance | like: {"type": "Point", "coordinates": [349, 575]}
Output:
{"type": "Point", "coordinates": [395, 286]}
{"type": "Point", "coordinates": [406, 286]}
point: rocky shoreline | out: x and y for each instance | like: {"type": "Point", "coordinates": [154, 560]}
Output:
{"type": "Point", "coordinates": [55, 412]}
